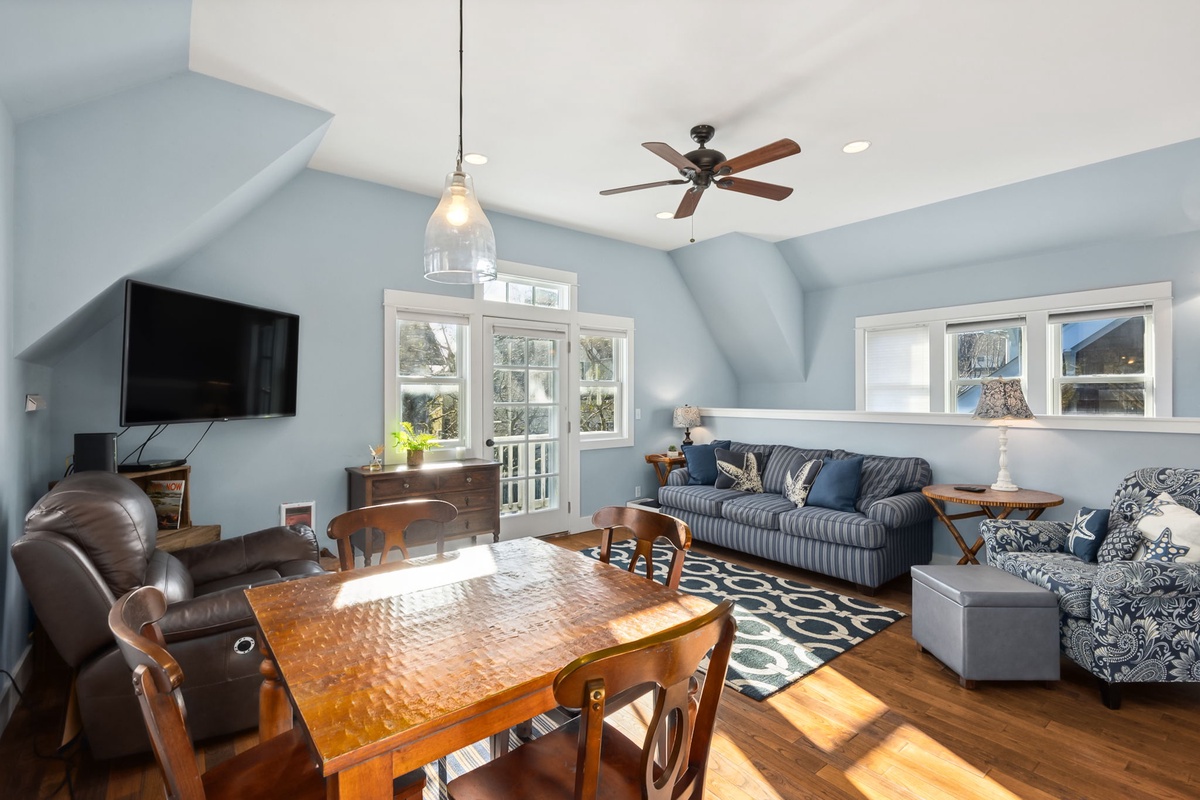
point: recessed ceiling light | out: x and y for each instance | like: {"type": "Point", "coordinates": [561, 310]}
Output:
{"type": "Point", "coordinates": [475, 158]}
{"type": "Point", "coordinates": [665, 215]}
{"type": "Point", "coordinates": [856, 147]}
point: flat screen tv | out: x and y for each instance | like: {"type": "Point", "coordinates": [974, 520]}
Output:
{"type": "Point", "coordinates": [191, 358]}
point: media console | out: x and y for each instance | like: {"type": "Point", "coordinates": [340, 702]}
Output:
{"type": "Point", "coordinates": [187, 534]}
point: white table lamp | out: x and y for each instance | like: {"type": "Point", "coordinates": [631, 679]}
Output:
{"type": "Point", "coordinates": [1002, 399]}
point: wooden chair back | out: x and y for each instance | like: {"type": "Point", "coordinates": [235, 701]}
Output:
{"type": "Point", "coordinates": [391, 519]}
{"type": "Point", "coordinates": [157, 678]}
{"type": "Point", "coordinates": [679, 735]}
{"type": "Point", "coordinates": [647, 527]}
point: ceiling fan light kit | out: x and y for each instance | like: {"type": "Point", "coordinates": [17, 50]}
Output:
{"type": "Point", "coordinates": [460, 246]}
{"type": "Point", "coordinates": [705, 167]}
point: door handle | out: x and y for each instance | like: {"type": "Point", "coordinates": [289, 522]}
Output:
{"type": "Point", "coordinates": [490, 442]}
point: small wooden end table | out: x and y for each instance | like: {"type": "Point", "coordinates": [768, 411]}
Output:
{"type": "Point", "coordinates": [663, 465]}
{"type": "Point", "coordinates": [987, 500]}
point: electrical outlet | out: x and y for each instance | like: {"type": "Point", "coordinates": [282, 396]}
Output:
{"type": "Point", "coordinates": [637, 491]}
{"type": "Point", "coordinates": [637, 413]}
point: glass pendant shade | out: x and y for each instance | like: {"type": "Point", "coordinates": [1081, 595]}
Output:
{"type": "Point", "coordinates": [460, 246]}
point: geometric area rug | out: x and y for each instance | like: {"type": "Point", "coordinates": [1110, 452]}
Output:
{"type": "Point", "coordinates": [786, 629]}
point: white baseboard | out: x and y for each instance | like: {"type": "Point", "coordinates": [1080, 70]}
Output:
{"type": "Point", "coordinates": [23, 671]}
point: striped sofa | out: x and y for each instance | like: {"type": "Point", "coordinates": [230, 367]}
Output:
{"type": "Point", "coordinates": [890, 532]}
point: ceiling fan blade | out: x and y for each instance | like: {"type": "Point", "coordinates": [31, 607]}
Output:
{"type": "Point", "coordinates": [668, 153]}
{"type": "Point", "coordinates": [691, 198]}
{"type": "Point", "coordinates": [771, 191]}
{"type": "Point", "coordinates": [675, 182]}
{"type": "Point", "coordinates": [756, 158]}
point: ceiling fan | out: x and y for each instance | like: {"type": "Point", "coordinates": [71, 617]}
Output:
{"type": "Point", "coordinates": [704, 167]}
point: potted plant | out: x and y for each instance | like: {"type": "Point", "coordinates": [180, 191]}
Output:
{"type": "Point", "coordinates": [415, 443]}
{"type": "Point", "coordinates": [672, 451]}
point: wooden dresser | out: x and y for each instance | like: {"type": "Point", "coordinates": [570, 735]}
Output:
{"type": "Point", "coordinates": [472, 485]}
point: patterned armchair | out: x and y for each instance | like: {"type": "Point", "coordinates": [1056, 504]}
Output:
{"type": "Point", "coordinates": [1124, 621]}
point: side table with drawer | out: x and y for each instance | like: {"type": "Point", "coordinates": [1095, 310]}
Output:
{"type": "Point", "coordinates": [472, 485]}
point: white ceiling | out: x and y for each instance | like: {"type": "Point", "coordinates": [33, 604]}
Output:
{"type": "Point", "coordinates": [957, 97]}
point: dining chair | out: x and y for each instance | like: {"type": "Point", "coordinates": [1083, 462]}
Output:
{"type": "Point", "coordinates": [588, 757]}
{"type": "Point", "coordinates": [391, 519]}
{"type": "Point", "coordinates": [280, 767]}
{"type": "Point", "coordinates": [647, 528]}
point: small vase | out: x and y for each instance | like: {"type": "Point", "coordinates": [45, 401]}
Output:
{"type": "Point", "coordinates": [416, 458]}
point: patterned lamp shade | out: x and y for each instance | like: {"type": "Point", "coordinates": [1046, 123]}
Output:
{"type": "Point", "coordinates": [1002, 398]}
{"type": "Point", "coordinates": [687, 417]}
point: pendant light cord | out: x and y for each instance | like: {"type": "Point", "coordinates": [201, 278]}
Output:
{"type": "Point", "coordinates": [460, 86]}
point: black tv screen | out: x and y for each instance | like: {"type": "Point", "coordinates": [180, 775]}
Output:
{"type": "Point", "coordinates": [191, 358]}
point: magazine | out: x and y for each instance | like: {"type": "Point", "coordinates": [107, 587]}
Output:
{"type": "Point", "coordinates": [167, 497]}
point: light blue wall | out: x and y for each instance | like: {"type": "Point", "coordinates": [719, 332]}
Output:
{"type": "Point", "coordinates": [1082, 466]}
{"type": "Point", "coordinates": [830, 313]}
{"type": "Point", "coordinates": [326, 247]}
{"type": "Point", "coordinates": [23, 436]}
{"type": "Point", "coordinates": [134, 181]}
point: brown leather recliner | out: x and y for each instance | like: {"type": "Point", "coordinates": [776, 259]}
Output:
{"type": "Point", "coordinates": [90, 540]}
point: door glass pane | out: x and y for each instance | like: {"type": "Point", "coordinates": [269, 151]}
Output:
{"type": "Point", "coordinates": [508, 421]}
{"type": "Point", "coordinates": [509, 456]}
{"type": "Point", "coordinates": [541, 386]}
{"type": "Point", "coordinates": [431, 408]}
{"type": "Point", "coordinates": [508, 350]}
{"type": "Point", "coordinates": [543, 493]}
{"type": "Point", "coordinates": [1128, 399]}
{"type": "Point", "coordinates": [1114, 346]}
{"type": "Point", "coordinates": [540, 420]}
{"type": "Point", "coordinates": [543, 458]}
{"type": "Point", "coordinates": [543, 353]}
{"type": "Point", "coordinates": [508, 386]}
{"type": "Point", "coordinates": [511, 497]}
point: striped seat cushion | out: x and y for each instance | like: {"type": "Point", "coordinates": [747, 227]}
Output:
{"type": "Point", "coordinates": [705, 500]}
{"type": "Point", "coordinates": [759, 510]}
{"type": "Point", "coordinates": [839, 527]}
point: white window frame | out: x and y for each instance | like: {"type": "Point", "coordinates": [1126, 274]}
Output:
{"type": "Point", "coordinates": [975, 326]}
{"type": "Point", "coordinates": [621, 330]}
{"type": "Point", "coordinates": [1146, 377]}
{"type": "Point", "coordinates": [1039, 347]}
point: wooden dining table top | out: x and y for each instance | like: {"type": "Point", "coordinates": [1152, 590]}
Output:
{"type": "Point", "coordinates": [422, 657]}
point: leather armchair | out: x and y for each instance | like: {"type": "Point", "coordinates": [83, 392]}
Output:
{"type": "Point", "coordinates": [90, 540]}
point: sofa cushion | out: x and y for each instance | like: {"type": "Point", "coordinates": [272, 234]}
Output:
{"type": "Point", "coordinates": [837, 483]}
{"type": "Point", "coordinates": [702, 462]}
{"type": "Point", "coordinates": [741, 471]}
{"type": "Point", "coordinates": [705, 500]}
{"type": "Point", "coordinates": [839, 527]}
{"type": "Point", "coordinates": [784, 459]}
{"type": "Point", "coordinates": [1068, 576]}
{"type": "Point", "coordinates": [759, 510]}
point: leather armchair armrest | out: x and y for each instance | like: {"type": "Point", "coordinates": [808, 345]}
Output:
{"type": "Point", "coordinates": [1023, 536]}
{"type": "Point", "coordinates": [265, 549]}
{"type": "Point", "coordinates": [206, 615]}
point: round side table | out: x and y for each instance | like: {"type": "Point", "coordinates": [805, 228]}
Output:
{"type": "Point", "coordinates": [988, 501]}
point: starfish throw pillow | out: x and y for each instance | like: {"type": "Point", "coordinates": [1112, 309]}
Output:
{"type": "Point", "coordinates": [796, 489]}
{"type": "Point", "coordinates": [1088, 532]}
{"type": "Point", "coordinates": [1170, 532]}
{"type": "Point", "coordinates": [739, 471]}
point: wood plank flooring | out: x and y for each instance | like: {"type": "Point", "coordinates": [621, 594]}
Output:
{"type": "Point", "coordinates": [882, 721]}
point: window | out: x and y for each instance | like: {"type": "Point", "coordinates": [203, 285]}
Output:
{"type": "Point", "coordinates": [527, 292]}
{"type": "Point", "coordinates": [430, 376]}
{"type": "Point", "coordinates": [1105, 352]}
{"type": "Point", "coordinates": [601, 384]}
{"type": "Point", "coordinates": [1103, 365]}
{"type": "Point", "coordinates": [979, 351]}
{"type": "Point", "coordinates": [897, 369]}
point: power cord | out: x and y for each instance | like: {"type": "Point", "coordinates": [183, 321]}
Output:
{"type": "Point", "coordinates": [198, 441]}
{"type": "Point", "coordinates": [158, 429]}
{"type": "Point", "coordinates": [59, 755]}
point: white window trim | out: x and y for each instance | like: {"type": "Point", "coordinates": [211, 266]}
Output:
{"type": "Point", "coordinates": [618, 327]}
{"type": "Point", "coordinates": [1037, 312]}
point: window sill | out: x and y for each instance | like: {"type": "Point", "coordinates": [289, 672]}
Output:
{"type": "Point", "coordinates": [1183, 425]}
{"type": "Point", "coordinates": [605, 442]}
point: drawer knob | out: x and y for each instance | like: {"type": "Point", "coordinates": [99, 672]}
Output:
{"type": "Point", "coordinates": [467, 524]}
{"type": "Point", "coordinates": [468, 479]}
{"type": "Point", "coordinates": [406, 486]}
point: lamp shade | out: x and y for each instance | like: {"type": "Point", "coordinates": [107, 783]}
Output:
{"type": "Point", "coordinates": [1002, 398]}
{"type": "Point", "coordinates": [687, 417]}
{"type": "Point", "coordinates": [460, 246]}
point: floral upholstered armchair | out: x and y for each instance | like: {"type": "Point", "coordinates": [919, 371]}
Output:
{"type": "Point", "coordinates": [1124, 620]}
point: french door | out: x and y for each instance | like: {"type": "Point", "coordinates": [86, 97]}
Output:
{"type": "Point", "coordinates": [526, 424]}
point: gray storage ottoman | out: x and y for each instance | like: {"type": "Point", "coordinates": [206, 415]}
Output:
{"type": "Point", "coordinates": [986, 624]}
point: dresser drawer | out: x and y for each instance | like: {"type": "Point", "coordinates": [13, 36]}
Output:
{"type": "Point", "coordinates": [402, 487]}
{"type": "Point", "coordinates": [468, 479]}
{"type": "Point", "coordinates": [470, 523]}
{"type": "Point", "coordinates": [471, 501]}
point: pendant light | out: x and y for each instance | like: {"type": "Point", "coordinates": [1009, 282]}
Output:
{"type": "Point", "coordinates": [460, 246]}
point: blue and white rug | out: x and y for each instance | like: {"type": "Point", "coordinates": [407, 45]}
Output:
{"type": "Point", "coordinates": [786, 629]}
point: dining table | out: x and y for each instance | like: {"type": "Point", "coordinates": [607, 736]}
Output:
{"type": "Point", "coordinates": [394, 666]}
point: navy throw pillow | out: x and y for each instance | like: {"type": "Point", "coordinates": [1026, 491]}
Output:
{"type": "Point", "coordinates": [836, 485]}
{"type": "Point", "coordinates": [702, 462]}
{"type": "Point", "coordinates": [1088, 532]}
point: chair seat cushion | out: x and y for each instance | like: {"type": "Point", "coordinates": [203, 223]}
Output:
{"type": "Point", "coordinates": [705, 500]}
{"type": "Point", "coordinates": [546, 767]}
{"type": "Point", "coordinates": [759, 510]}
{"type": "Point", "coordinates": [840, 527]}
{"type": "Point", "coordinates": [1068, 576]}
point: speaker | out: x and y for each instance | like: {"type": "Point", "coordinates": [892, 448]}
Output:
{"type": "Point", "coordinates": [96, 451]}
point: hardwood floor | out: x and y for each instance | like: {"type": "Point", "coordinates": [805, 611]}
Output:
{"type": "Point", "coordinates": [882, 721]}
